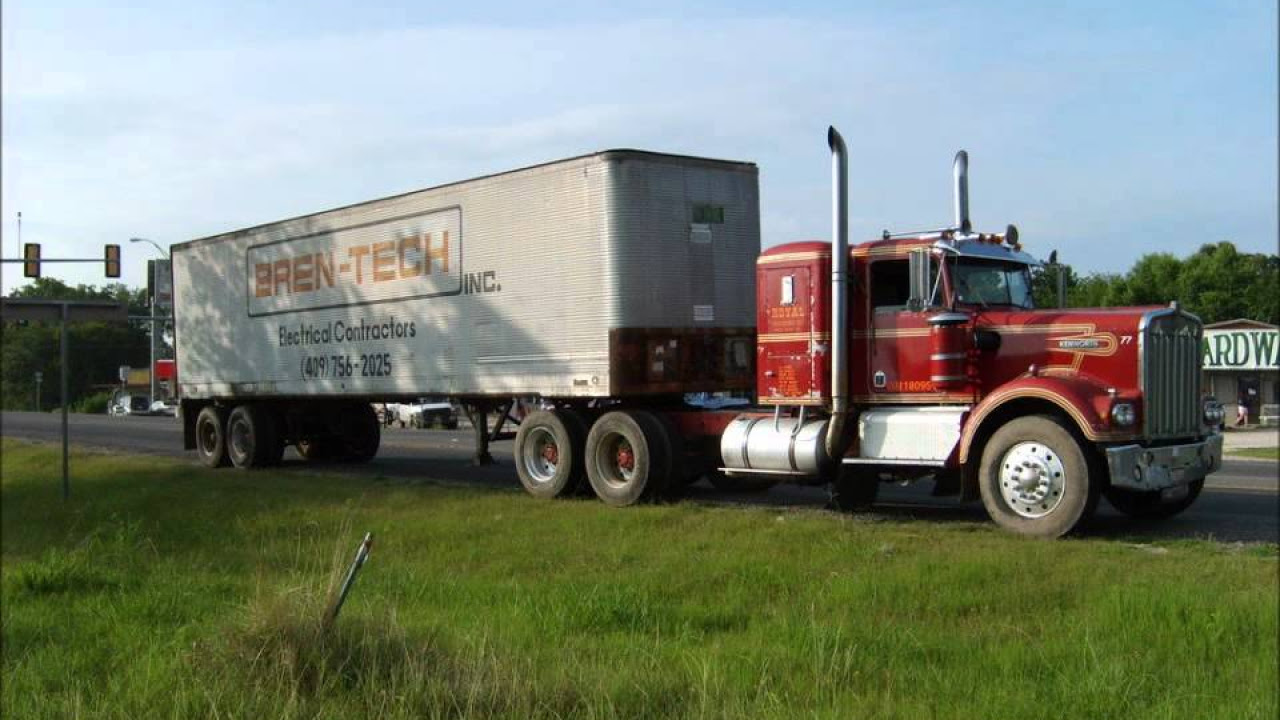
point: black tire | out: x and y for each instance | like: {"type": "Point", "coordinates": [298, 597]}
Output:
{"type": "Point", "coordinates": [1035, 478]}
{"type": "Point", "coordinates": [251, 438]}
{"type": "Point", "coordinates": [854, 488]}
{"type": "Point", "coordinates": [1150, 505]}
{"type": "Point", "coordinates": [667, 454]}
{"type": "Point", "coordinates": [549, 450]}
{"type": "Point", "coordinates": [211, 437]}
{"type": "Point", "coordinates": [739, 484]}
{"type": "Point", "coordinates": [359, 432]}
{"type": "Point", "coordinates": [626, 454]}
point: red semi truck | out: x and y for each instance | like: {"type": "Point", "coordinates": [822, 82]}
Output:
{"type": "Point", "coordinates": [916, 356]}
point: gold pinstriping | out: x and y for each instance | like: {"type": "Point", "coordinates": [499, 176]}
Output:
{"type": "Point", "coordinates": [1000, 397]}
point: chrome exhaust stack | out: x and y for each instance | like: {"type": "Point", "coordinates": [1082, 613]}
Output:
{"type": "Point", "coordinates": [835, 440]}
{"type": "Point", "coordinates": [796, 446]}
{"type": "Point", "coordinates": [961, 172]}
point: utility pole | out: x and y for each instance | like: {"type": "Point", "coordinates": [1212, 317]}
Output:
{"type": "Point", "coordinates": [39, 378]}
{"type": "Point", "coordinates": [159, 284]}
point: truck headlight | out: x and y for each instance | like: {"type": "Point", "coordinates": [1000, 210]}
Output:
{"type": "Point", "coordinates": [1123, 414]}
{"type": "Point", "coordinates": [1214, 413]}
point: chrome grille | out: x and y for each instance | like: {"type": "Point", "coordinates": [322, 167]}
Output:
{"type": "Point", "coordinates": [1170, 357]}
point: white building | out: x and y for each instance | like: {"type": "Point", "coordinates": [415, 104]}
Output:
{"type": "Point", "coordinates": [1242, 359]}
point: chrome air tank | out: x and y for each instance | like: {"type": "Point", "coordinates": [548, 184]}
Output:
{"type": "Point", "coordinates": [775, 444]}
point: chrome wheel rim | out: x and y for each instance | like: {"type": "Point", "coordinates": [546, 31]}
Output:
{"type": "Point", "coordinates": [1032, 479]}
{"type": "Point", "coordinates": [541, 455]}
{"type": "Point", "coordinates": [616, 460]}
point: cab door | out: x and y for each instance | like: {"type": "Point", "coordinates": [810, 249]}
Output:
{"type": "Point", "coordinates": [898, 336]}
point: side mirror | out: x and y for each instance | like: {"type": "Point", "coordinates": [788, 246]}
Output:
{"type": "Point", "coordinates": [921, 284]}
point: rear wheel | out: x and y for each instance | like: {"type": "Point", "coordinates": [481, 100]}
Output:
{"type": "Point", "coordinates": [252, 441]}
{"type": "Point", "coordinates": [549, 449]}
{"type": "Point", "coordinates": [211, 445]}
{"type": "Point", "coordinates": [1035, 479]}
{"type": "Point", "coordinates": [1152, 505]}
{"type": "Point", "coordinates": [627, 455]}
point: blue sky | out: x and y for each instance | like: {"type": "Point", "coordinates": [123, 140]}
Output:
{"type": "Point", "coordinates": [1105, 130]}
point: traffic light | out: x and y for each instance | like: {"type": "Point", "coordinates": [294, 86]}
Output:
{"type": "Point", "coordinates": [31, 260]}
{"type": "Point", "coordinates": [113, 261]}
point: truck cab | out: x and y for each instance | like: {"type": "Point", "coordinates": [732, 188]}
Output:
{"type": "Point", "coordinates": [953, 374]}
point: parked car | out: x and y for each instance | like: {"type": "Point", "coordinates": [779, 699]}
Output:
{"type": "Point", "coordinates": [124, 403]}
{"type": "Point", "coordinates": [426, 412]}
{"type": "Point", "coordinates": [160, 407]}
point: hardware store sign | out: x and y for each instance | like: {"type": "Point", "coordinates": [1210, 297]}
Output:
{"type": "Point", "coordinates": [1241, 349]}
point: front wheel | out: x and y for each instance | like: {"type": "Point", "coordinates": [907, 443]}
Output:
{"type": "Point", "coordinates": [1152, 505]}
{"type": "Point", "coordinates": [1034, 478]}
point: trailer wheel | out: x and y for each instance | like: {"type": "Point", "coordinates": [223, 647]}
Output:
{"type": "Point", "coordinates": [251, 437]}
{"type": "Point", "coordinates": [1151, 505]}
{"type": "Point", "coordinates": [1035, 479]}
{"type": "Point", "coordinates": [360, 433]}
{"type": "Point", "coordinates": [211, 445]}
{"type": "Point", "coordinates": [854, 489]}
{"type": "Point", "coordinates": [549, 451]}
{"type": "Point", "coordinates": [626, 453]}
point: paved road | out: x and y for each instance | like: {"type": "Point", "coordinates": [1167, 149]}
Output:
{"type": "Point", "coordinates": [1240, 503]}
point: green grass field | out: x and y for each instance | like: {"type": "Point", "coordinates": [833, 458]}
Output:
{"type": "Point", "coordinates": [167, 591]}
{"type": "Point", "coordinates": [1269, 453]}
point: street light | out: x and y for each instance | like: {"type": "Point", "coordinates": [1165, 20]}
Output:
{"type": "Point", "coordinates": [155, 319]}
{"type": "Point", "coordinates": [153, 244]}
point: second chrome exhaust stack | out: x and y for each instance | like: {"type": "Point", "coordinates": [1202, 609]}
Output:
{"type": "Point", "coordinates": [961, 172]}
{"type": "Point", "coordinates": [835, 440]}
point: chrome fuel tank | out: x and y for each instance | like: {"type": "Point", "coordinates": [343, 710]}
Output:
{"type": "Point", "coordinates": [791, 446]}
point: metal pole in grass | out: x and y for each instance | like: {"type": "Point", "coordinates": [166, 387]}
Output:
{"type": "Point", "coordinates": [66, 475]}
{"type": "Point", "coordinates": [63, 312]}
{"type": "Point", "coordinates": [362, 554]}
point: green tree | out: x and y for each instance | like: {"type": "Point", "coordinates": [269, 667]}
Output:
{"type": "Point", "coordinates": [1217, 282]}
{"type": "Point", "coordinates": [96, 350]}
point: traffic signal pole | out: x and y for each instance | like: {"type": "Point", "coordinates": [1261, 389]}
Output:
{"type": "Point", "coordinates": [63, 311]}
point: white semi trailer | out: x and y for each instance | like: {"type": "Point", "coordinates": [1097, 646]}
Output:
{"type": "Point", "coordinates": [608, 284]}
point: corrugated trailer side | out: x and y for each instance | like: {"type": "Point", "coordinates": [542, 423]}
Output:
{"type": "Point", "coordinates": [528, 282]}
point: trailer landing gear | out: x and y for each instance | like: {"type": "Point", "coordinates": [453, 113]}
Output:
{"type": "Point", "coordinates": [478, 413]}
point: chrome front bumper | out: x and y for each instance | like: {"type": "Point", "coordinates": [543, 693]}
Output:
{"type": "Point", "coordinates": [1159, 468]}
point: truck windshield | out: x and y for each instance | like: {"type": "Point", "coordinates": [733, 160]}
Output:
{"type": "Point", "coordinates": [985, 283]}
